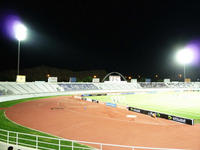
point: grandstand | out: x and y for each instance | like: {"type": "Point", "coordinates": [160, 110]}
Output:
{"type": "Point", "coordinates": [13, 88]}
{"type": "Point", "coordinates": [78, 86]}
{"type": "Point", "coordinates": [153, 85]}
{"type": "Point", "coordinates": [189, 85]}
{"type": "Point", "coordinates": [118, 86]}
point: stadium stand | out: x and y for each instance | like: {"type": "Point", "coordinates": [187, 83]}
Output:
{"type": "Point", "coordinates": [13, 88]}
{"type": "Point", "coordinates": [153, 85]}
{"type": "Point", "coordinates": [1, 92]}
{"type": "Point", "coordinates": [79, 86]}
{"type": "Point", "coordinates": [9, 87]}
{"type": "Point", "coordinates": [117, 86]}
{"type": "Point", "coordinates": [183, 85]}
{"type": "Point", "coordinates": [34, 88]}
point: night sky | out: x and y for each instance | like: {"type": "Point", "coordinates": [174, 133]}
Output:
{"type": "Point", "coordinates": [130, 37]}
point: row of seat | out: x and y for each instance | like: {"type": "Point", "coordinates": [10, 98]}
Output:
{"type": "Point", "coordinates": [28, 88]}
{"type": "Point", "coordinates": [183, 85]}
{"type": "Point", "coordinates": [153, 85]}
{"type": "Point", "coordinates": [13, 88]}
{"type": "Point", "coordinates": [195, 85]}
{"type": "Point", "coordinates": [117, 86]}
{"type": "Point", "coordinates": [78, 87]}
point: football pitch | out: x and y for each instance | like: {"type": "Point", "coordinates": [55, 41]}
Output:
{"type": "Point", "coordinates": [181, 104]}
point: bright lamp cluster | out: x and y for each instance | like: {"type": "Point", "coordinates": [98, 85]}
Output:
{"type": "Point", "coordinates": [20, 31]}
{"type": "Point", "coordinates": [185, 56]}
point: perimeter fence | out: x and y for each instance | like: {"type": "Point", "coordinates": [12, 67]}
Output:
{"type": "Point", "coordinates": [50, 143]}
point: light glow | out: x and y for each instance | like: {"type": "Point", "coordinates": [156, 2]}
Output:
{"type": "Point", "coordinates": [20, 31]}
{"type": "Point", "coordinates": [185, 56]}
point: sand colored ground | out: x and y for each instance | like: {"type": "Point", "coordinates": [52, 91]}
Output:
{"type": "Point", "coordinates": [76, 119]}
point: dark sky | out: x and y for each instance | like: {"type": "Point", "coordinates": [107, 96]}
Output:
{"type": "Point", "coordinates": [131, 37]}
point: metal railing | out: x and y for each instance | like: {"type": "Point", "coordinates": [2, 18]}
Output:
{"type": "Point", "coordinates": [49, 143]}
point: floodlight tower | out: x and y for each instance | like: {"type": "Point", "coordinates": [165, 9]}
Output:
{"type": "Point", "coordinates": [20, 34]}
{"type": "Point", "coordinates": [184, 57]}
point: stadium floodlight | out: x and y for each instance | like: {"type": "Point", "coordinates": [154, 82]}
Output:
{"type": "Point", "coordinates": [185, 56]}
{"type": "Point", "coordinates": [20, 31]}
{"type": "Point", "coordinates": [20, 34]}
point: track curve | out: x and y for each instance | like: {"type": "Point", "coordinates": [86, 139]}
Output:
{"type": "Point", "coordinates": [70, 118]}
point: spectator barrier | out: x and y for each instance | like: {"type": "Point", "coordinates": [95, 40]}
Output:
{"type": "Point", "coordinates": [48, 143]}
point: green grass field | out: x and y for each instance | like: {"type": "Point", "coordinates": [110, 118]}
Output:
{"type": "Point", "coordinates": [6, 124]}
{"type": "Point", "coordinates": [182, 104]}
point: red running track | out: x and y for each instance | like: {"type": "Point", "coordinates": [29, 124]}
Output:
{"type": "Point", "coordinates": [75, 119]}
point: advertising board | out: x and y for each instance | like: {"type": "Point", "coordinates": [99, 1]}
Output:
{"type": "Point", "coordinates": [166, 80]}
{"type": "Point", "coordinates": [21, 78]}
{"type": "Point", "coordinates": [111, 104]}
{"type": "Point", "coordinates": [162, 115]}
{"type": "Point", "coordinates": [52, 79]}
{"type": "Point", "coordinates": [147, 80]}
{"type": "Point", "coordinates": [133, 80]}
{"type": "Point", "coordinates": [72, 79]}
{"type": "Point", "coordinates": [95, 80]}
